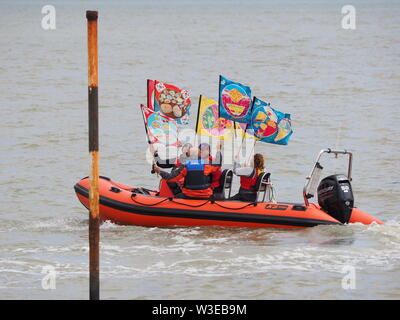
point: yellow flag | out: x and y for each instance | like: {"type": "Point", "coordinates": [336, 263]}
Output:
{"type": "Point", "coordinates": [209, 123]}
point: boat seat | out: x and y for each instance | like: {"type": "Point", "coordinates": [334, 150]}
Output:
{"type": "Point", "coordinates": [225, 182]}
{"type": "Point", "coordinates": [262, 183]}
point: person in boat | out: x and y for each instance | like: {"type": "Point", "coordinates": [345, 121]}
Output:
{"type": "Point", "coordinates": [196, 174]}
{"type": "Point", "coordinates": [248, 178]}
{"type": "Point", "coordinates": [184, 155]}
{"type": "Point", "coordinates": [205, 155]}
{"type": "Point", "coordinates": [173, 163]}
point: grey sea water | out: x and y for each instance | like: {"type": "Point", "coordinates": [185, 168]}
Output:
{"type": "Point", "coordinates": [340, 86]}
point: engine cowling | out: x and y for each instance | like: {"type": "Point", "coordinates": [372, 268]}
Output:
{"type": "Point", "coordinates": [335, 196]}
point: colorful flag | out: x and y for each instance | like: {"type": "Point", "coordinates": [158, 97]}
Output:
{"type": "Point", "coordinates": [234, 101]}
{"type": "Point", "coordinates": [169, 100]}
{"type": "Point", "coordinates": [150, 93]}
{"type": "Point", "coordinates": [270, 125]}
{"type": "Point", "coordinates": [243, 130]}
{"type": "Point", "coordinates": [209, 123]}
{"type": "Point", "coordinates": [159, 128]}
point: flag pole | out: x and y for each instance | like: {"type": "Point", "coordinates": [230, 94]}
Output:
{"type": "Point", "coordinates": [196, 136]}
{"type": "Point", "coordinates": [244, 137]}
{"type": "Point", "coordinates": [148, 139]}
{"type": "Point", "coordinates": [245, 131]}
{"type": "Point", "coordinates": [145, 125]}
{"type": "Point", "coordinates": [219, 111]}
{"type": "Point", "coordinates": [251, 152]}
{"type": "Point", "coordinates": [94, 221]}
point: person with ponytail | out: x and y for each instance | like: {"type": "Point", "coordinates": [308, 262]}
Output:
{"type": "Point", "coordinates": [248, 178]}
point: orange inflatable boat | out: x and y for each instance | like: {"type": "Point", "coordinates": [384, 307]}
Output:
{"type": "Point", "coordinates": [122, 204]}
{"type": "Point", "coordinates": [127, 205]}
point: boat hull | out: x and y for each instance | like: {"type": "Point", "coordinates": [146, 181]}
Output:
{"type": "Point", "coordinates": [120, 205]}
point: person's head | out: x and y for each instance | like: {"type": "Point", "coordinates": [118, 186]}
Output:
{"type": "Point", "coordinates": [186, 148]}
{"type": "Point", "coordinates": [259, 161]}
{"type": "Point", "coordinates": [192, 153]}
{"type": "Point", "coordinates": [204, 149]}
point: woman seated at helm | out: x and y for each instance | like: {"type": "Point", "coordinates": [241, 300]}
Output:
{"type": "Point", "coordinates": [248, 178]}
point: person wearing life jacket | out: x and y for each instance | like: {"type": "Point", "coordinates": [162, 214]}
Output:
{"type": "Point", "coordinates": [196, 174]}
{"type": "Point", "coordinates": [205, 154]}
{"type": "Point", "coordinates": [248, 178]}
{"type": "Point", "coordinates": [174, 163]}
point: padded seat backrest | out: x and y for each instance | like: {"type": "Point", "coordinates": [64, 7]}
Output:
{"type": "Point", "coordinates": [226, 181]}
{"type": "Point", "coordinates": [262, 182]}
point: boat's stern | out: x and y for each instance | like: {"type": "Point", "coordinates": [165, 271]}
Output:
{"type": "Point", "coordinates": [335, 193]}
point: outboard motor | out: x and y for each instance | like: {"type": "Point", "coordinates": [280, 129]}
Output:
{"type": "Point", "coordinates": [335, 196]}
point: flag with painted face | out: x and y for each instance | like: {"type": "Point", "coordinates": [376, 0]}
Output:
{"type": "Point", "coordinates": [270, 125]}
{"type": "Point", "coordinates": [169, 100]}
{"type": "Point", "coordinates": [209, 123]}
{"type": "Point", "coordinates": [234, 101]}
{"type": "Point", "coordinates": [160, 129]}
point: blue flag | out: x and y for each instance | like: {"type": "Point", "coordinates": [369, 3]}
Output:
{"type": "Point", "coordinates": [234, 101]}
{"type": "Point", "coordinates": [269, 124]}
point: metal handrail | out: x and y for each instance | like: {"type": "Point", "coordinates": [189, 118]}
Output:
{"type": "Point", "coordinates": [328, 150]}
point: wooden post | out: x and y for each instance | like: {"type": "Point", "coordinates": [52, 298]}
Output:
{"type": "Point", "coordinates": [94, 221]}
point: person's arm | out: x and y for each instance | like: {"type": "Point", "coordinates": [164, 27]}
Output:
{"type": "Point", "coordinates": [210, 169]}
{"type": "Point", "coordinates": [242, 171]}
{"type": "Point", "coordinates": [217, 161]}
{"type": "Point", "coordinates": [174, 176]}
{"type": "Point", "coordinates": [165, 164]}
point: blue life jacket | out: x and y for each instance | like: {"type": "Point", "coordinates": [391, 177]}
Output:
{"type": "Point", "coordinates": [195, 178]}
